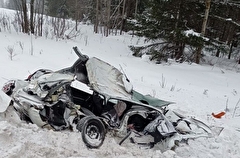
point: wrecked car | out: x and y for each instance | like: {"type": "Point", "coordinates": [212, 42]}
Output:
{"type": "Point", "coordinates": [94, 98]}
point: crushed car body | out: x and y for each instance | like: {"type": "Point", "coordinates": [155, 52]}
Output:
{"type": "Point", "coordinates": [94, 97]}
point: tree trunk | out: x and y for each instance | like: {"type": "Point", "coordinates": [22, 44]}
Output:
{"type": "Point", "coordinates": [218, 53]}
{"type": "Point", "coordinates": [76, 15]}
{"type": "Point", "coordinates": [180, 50]}
{"type": "Point", "coordinates": [97, 17]}
{"type": "Point", "coordinates": [208, 3]}
{"type": "Point", "coordinates": [25, 17]}
{"type": "Point", "coordinates": [178, 44]}
{"type": "Point", "coordinates": [31, 16]}
{"type": "Point", "coordinates": [230, 51]}
{"type": "Point", "coordinates": [108, 18]}
{"type": "Point", "coordinates": [136, 7]}
{"type": "Point", "coordinates": [41, 19]}
{"type": "Point", "coordinates": [204, 25]}
{"type": "Point", "coordinates": [123, 17]}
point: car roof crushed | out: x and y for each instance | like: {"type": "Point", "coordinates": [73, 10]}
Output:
{"type": "Point", "coordinates": [109, 81]}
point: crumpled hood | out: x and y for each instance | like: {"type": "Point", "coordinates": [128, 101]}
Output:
{"type": "Point", "coordinates": [42, 85]}
{"type": "Point", "coordinates": [107, 80]}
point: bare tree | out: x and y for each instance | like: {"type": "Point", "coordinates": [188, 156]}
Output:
{"type": "Point", "coordinates": [107, 26]}
{"type": "Point", "coordinates": [31, 16]}
{"type": "Point", "coordinates": [76, 14]}
{"type": "Point", "coordinates": [199, 49]}
{"type": "Point", "coordinates": [123, 16]}
{"type": "Point", "coordinates": [96, 17]}
{"type": "Point", "coordinates": [33, 22]}
{"type": "Point", "coordinates": [136, 7]}
{"type": "Point", "coordinates": [10, 50]}
{"type": "Point", "coordinates": [25, 16]}
{"type": "Point", "coordinates": [39, 26]}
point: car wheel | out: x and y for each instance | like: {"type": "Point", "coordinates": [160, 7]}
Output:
{"type": "Point", "coordinates": [92, 130]}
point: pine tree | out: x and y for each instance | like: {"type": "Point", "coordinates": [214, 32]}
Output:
{"type": "Point", "coordinates": [165, 23]}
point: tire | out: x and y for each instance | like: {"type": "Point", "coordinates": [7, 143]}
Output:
{"type": "Point", "coordinates": [92, 130]}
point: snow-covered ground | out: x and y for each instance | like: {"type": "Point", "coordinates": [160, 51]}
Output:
{"type": "Point", "coordinates": [197, 90]}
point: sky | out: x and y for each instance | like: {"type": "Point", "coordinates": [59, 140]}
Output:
{"type": "Point", "coordinates": [196, 90]}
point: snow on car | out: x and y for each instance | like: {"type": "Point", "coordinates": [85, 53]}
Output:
{"type": "Point", "coordinates": [94, 98]}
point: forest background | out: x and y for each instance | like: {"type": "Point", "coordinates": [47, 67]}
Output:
{"type": "Point", "coordinates": [176, 29]}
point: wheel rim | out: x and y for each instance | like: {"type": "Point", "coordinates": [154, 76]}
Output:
{"type": "Point", "coordinates": [93, 132]}
{"type": "Point", "coordinates": [94, 135]}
